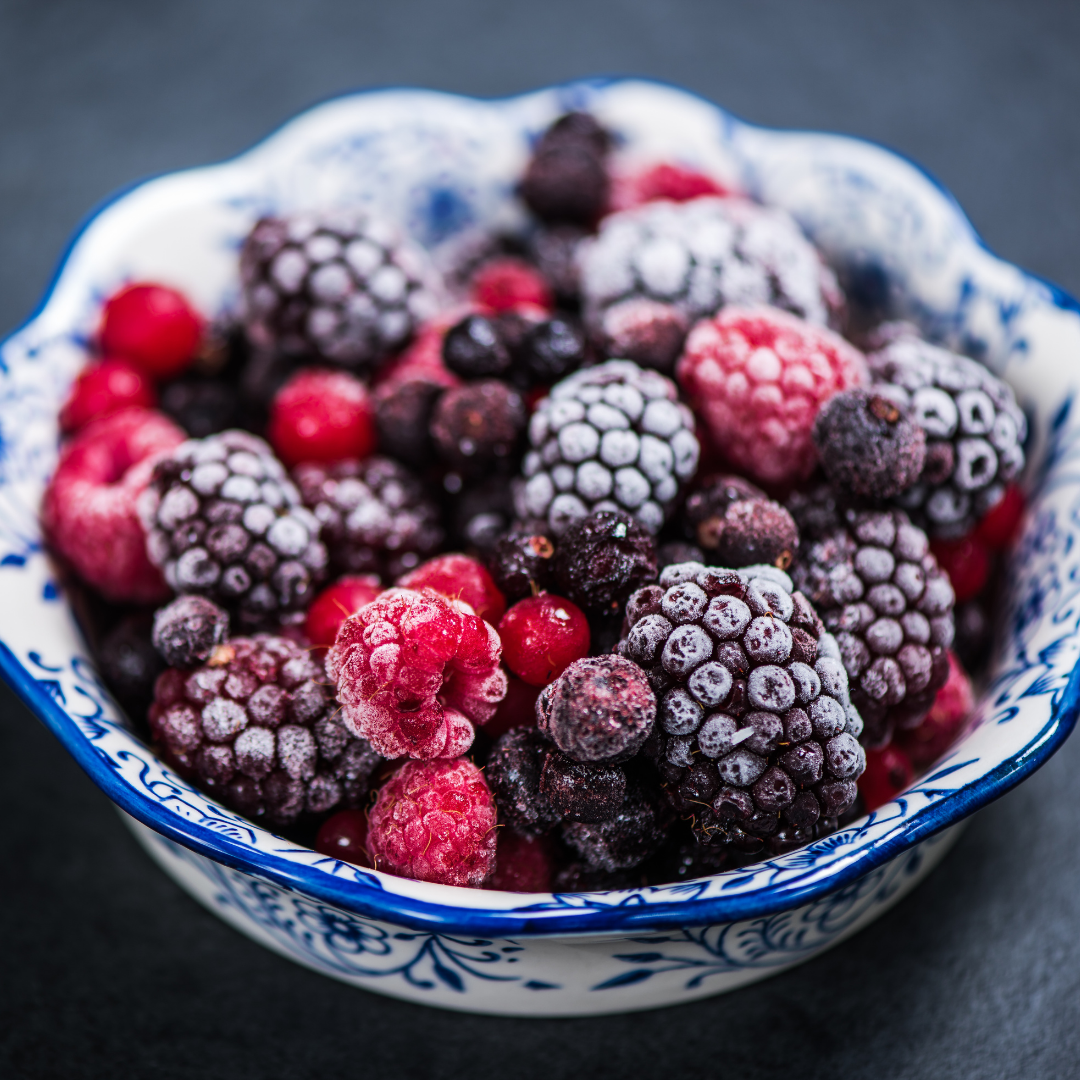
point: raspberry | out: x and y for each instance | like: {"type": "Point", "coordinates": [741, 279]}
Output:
{"type": "Point", "coordinates": [1000, 525]}
{"type": "Point", "coordinates": [541, 636]}
{"type": "Point", "coordinates": [738, 526]}
{"type": "Point", "coordinates": [477, 426]}
{"type": "Point", "coordinates": [601, 709]}
{"type": "Point", "coordinates": [580, 792]}
{"type": "Point", "coordinates": [435, 821]}
{"type": "Point", "coordinates": [627, 839]}
{"type": "Point", "coordinates": [516, 710]}
{"type": "Point", "coordinates": [888, 772]}
{"type": "Point", "coordinates": [522, 863]}
{"type": "Point", "coordinates": [322, 416]}
{"type": "Point", "coordinates": [458, 577]}
{"type": "Point", "coordinates": [867, 445]}
{"type": "Point", "coordinates": [566, 178]}
{"type": "Point", "coordinates": [335, 604]}
{"type": "Point", "coordinates": [344, 836]}
{"type": "Point", "coordinates": [513, 771]}
{"type": "Point", "coordinates": [412, 671]}
{"type": "Point", "coordinates": [225, 522]}
{"type": "Point", "coordinates": [953, 705]}
{"type": "Point", "coordinates": [676, 183]}
{"type": "Point", "coordinates": [602, 559]}
{"type": "Point", "coordinates": [474, 349]}
{"type": "Point", "coordinates": [757, 378]}
{"type": "Point", "coordinates": [507, 283]}
{"type": "Point", "coordinates": [375, 516]}
{"type": "Point", "coordinates": [611, 437]}
{"type": "Point", "coordinates": [520, 562]}
{"type": "Point", "coordinates": [88, 512]}
{"type": "Point", "coordinates": [103, 389]}
{"type": "Point", "coordinates": [256, 729]}
{"type": "Point", "coordinates": [151, 326]}
{"type": "Point", "coordinates": [967, 562]}
{"type": "Point", "coordinates": [188, 630]}
{"type": "Point", "coordinates": [646, 331]}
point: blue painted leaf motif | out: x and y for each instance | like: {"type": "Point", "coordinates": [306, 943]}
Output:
{"type": "Point", "coordinates": [942, 773]}
{"type": "Point", "coordinates": [536, 984]}
{"type": "Point", "coordinates": [627, 978]}
{"type": "Point", "coordinates": [640, 957]}
{"type": "Point", "coordinates": [451, 978]}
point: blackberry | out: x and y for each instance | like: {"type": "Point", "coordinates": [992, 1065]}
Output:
{"type": "Point", "coordinates": [339, 287]}
{"type": "Point", "coordinates": [256, 728]}
{"type": "Point", "coordinates": [474, 349]}
{"type": "Point", "coordinates": [513, 773]}
{"type": "Point", "coordinates": [403, 411]}
{"type": "Point", "coordinates": [188, 630]}
{"type": "Point", "coordinates": [635, 833]}
{"type": "Point", "coordinates": [374, 515]}
{"type": "Point", "coordinates": [974, 428]}
{"type": "Point", "coordinates": [566, 179]}
{"type": "Point", "coordinates": [736, 524]}
{"type": "Point", "coordinates": [477, 426]}
{"type": "Point", "coordinates": [601, 559]}
{"type": "Point", "coordinates": [755, 729]}
{"type": "Point", "coordinates": [700, 255]}
{"type": "Point", "coordinates": [224, 521]}
{"type": "Point", "coordinates": [580, 792]}
{"type": "Point", "coordinates": [201, 406]}
{"type": "Point", "coordinates": [521, 562]}
{"type": "Point", "coordinates": [611, 437]}
{"type": "Point", "coordinates": [880, 591]}
{"type": "Point", "coordinates": [868, 447]}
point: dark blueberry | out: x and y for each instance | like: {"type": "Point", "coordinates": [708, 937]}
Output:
{"type": "Point", "coordinates": [474, 349]}
{"type": "Point", "coordinates": [187, 630]}
{"type": "Point", "coordinates": [566, 179]}
{"type": "Point", "coordinates": [635, 833]}
{"type": "Point", "coordinates": [200, 406]}
{"type": "Point", "coordinates": [129, 664]}
{"type": "Point", "coordinates": [476, 426]}
{"type": "Point", "coordinates": [520, 562]}
{"type": "Point", "coordinates": [737, 525]}
{"type": "Point", "coordinates": [579, 792]}
{"type": "Point", "coordinates": [551, 350]}
{"type": "Point", "coordinates": [402, 418]}
{"type": "Point", "coordinates": [483, 513]}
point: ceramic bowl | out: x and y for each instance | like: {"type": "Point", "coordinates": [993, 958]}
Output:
{"type": "Point", "coordinates": [440, 165]}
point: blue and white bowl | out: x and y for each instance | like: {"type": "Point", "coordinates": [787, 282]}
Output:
{"type": "Point", "coordinates": [441, 165]}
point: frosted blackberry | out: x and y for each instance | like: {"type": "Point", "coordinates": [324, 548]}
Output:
{"type": "Point", "coordinates": [338, 286]}
{"type": "Point", "coordinates": [224, 521]}
{"type": "Point", "coordinates": [974, 428]}
{"type": "Point", "coordinates": [635, 833]}
{"type": "Point", "coordinates": [611, 437]}
{"type": "Point", "coordinates": [256, 727]}
{"type": "Point", "coordinates": [374, 514]}
{"type": "Point", "coordinates": [513, 774]}
{"type": "Point", "coordinates": [700, 255]}
{"type": "Point", "coordinates": [755, 728]}
{"type": "Point", "coordinates": [880, 591]}
{"type": "Point", "coordinates": [580, 792]}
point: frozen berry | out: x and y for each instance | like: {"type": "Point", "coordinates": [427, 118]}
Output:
{"type": "Point", "coordinates": [737, 525]}
{"type": "Point", "coordinates": [967, 561]}
{"type": "Point", "coordinates": [152, 326]}
{"type": "Point", "coordinates": [554, 249]}
{"type": "Point", "coordinates": [89, 513]}
{"type": "Point", "coordinates": [322, 416]}
{"type": "Point", "coordinates": [483, 511]}
{"type": "Point", "coordinates": [524, 864]}
{"type": "Point", "coordinates": [516, 710]}
{"type": "Point", "coordinates": [550, 350]}
{"type": "Point", "coordinates": [601, 709]}
{"type": "Point", "coordinates": [676, 183]}
{"type": "Point", "coordinates": [566, 179]}
{"type": "Point", "coordinates": [507, 283]}
{"type": "Point", "coordinates": [888, 772]}
{"type": "Point", "coordinates": [476, 426]}
{"type": "Point", "coordinates": [474, 349]}
{"type": "Point", "coordinates": [636, 832]}
{"type": "Point", "coordinates": [521, 562]}
{"type": "Point", "coordinates": [513, 771]}
{"type": "Point", "coordinates": [204, 406]}
{"type": "Point", "coordinates": [335, 604]}
{"type": "Point", "coordinates": [413, 672]}
{"type": "Point", "coordinates": [403, 409]}
{"type": "Point", "coordinates": [868, 447]}
{"type": "Point", "coordinates": [601, 559]}
{"type": "Point", "coordinates": [580, 792]}
{"type": "Point", "coordinates": [129, 664]}
{"type": "Point", "coordinates": [941, 725]}
{"type": "Point", "coordinates": [103, 389]}
{"type": "Point", "coordinates": [649, 332]}
{"type": "Point", "coordinates": [188, 630]}
{"type": "Point", "coordinates": [677, 551]}
{"type": "Point", "coordinates": [541, 636]}
{"type": "Point", "coordinates": [1001, 524]}
{"type": "Point", "coordinates": [344, 836]}
{"type": "Point", "coordinates": [757, 378]}
{"type": "Point", "coordinates": [434, 821]}
{"type": "Point", "coordinates": [459, 577]}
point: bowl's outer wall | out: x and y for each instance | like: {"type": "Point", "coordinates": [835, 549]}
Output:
{"type": "Point", "coordinates": [439, 165]}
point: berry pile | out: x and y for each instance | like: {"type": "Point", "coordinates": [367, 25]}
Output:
{"type": "Point", "coordinates": [604, 561]}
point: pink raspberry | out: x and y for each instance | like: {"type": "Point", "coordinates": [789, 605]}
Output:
{"type": "Point", "coordinates": [412, 670]}
{"type": "Point", "coordinates": [757, 378]}
{"type": "Point", "coordinates": [435, 821]}
{"type": "Point", "coordinates": [88, 512]}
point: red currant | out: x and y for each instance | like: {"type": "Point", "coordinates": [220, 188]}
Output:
{"type": "Point", "coordinates": [522, 863]}
{"type": "Point", "coordinates": [1000, 525]}
{"type": "Point", "coordinates": [322, 416]}
{"type": "Point", "coordinates": [888, 772]}
{"type": "Point", "coordinates": [517, 709]}
{"type": "Point", "coordinates": [459, 577]}
{"type": "Point", "coordinates": [505, 284]}
{"type": "Point", "coordinates": [152, 326]}
{"type": "Point", "coordinates": [542, 636]}
{"type": "Point", "coordinates": [103, 389]}
{"type": "Point", "coordinates": [335, 604]}
{"type": "Point", "coordinates": [344, 836]}
{"type": "Point", "coordinates": [966, 561]}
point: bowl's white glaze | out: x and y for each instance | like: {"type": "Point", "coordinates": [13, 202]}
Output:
{"type": "Point", "coordinates": [441, 165]}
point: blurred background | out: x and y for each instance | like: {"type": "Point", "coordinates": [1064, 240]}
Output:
{"type": "Point", "coordinates": [107, 968]}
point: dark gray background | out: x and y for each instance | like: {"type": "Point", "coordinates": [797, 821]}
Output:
{"type": "Point", "coordinates": [106, 968]}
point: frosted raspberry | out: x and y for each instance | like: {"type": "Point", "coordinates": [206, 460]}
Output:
{"type": "Point", "coordinates": [412, 670]}
{"type": "Point", "coordinates": [757, 378]}
{"type": "Point", "coordinates": [434, 821]}
{"type": "Point", "coordinates": [89, 511]}
{"type": "Point", "coordinates": [459, 577]}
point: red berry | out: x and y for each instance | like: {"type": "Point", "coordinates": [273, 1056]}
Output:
{"type": "Point", "coordinates": [522, 863]}
{"type": "Point", "coordinates": [103, 389]}
{"type": "Point", "coordinates": [335, 604]}
{"type": "Point", "coordinates": [663, 181]}
{"type": "Point", "coordinates": [887, 773]}
{"type": "Point", "coordinates": [517, 709]}
{"type": "Point", "coordinates": [153, 326]}
{"type": "Point", "coordinates": [966, 561]}
{"type": "Point", "coordinates": [322, 416]}
{"type": "Point", "coordinates": [459, 578]}
{"type": "Point", "coordinates": [435, 821]}
{"type": "Point", "coordinates": [89, 512]}
{"type": "Point", "coordinates": [505, 284]}
{"type": "Point", "coordinates": [542, 636]}
{"type": "Point", "coordinates": [1001, 524]}
{"type": "Point", "coordinates": [938, 729]}
{"type": "Point", "coordinates": [344, 836]}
